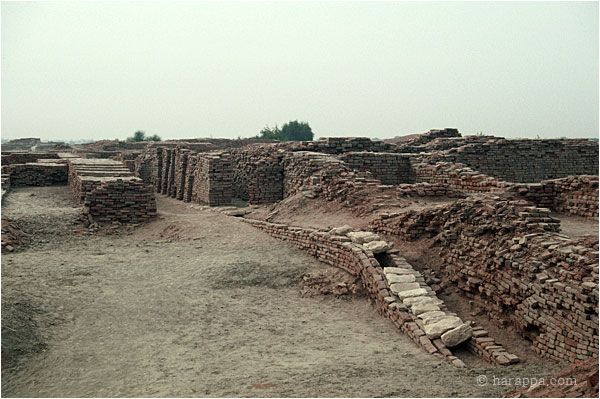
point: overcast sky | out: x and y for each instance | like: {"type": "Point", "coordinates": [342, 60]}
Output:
{"type": "Point", "coordinates": [104, 70]}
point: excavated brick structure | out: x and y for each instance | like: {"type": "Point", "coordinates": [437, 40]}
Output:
{"type": "Point", "coordinates": [397, 290]}
{"type": "Point", "coordinates": [181, 169]}
{"type": "Point", "coordinates": [525, 160]}
{"type": "Point", "coordinates": [213, 176]}
{"type": "Point", "coordinates": [340, 145]}
{"type": "Point", "coordinates": [167, 153]}
{"type": "Point", "coordinates": [389, 168]}
{"type": "Point", "coordinates": [507, 256]}
{"type": "Point", "coordinates": [188, 186]}
{"type": "Point", "coordinates": [577, 195]}
{"type": "Point", "coordinates": [37, 174]}
{"type": "Point", "coordinates": [109, 192]}
{"type": "Point", "coordinates": [258, 174]}
{"type": "Point", "coordinates": [26, 157]}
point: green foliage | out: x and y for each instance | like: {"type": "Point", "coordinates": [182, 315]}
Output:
{"type": "Point", "coordinates": [271, 133]}
{"type": "Point", "coordinates": [296, 131]}
{"type": "Point", "coordinates": [140, 135]}
{"type": "Point", "coordinates": [291, 131]}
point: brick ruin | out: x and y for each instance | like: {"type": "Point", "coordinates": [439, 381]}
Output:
{"type": "Point", "coordinates": [106, 189]}
{"type": "Point", "coordinates": [497, 235]}
{"type": "Point", "coordinates": [109, 192]}
{"type": "Point", "coordinates": [500, 245]}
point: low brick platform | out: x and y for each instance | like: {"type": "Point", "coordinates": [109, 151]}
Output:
{"type": "Point", "coordinates": [38, 174]}
{"type": "Point", "coordinates": [109, 192]}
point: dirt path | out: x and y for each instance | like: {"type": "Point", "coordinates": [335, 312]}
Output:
{"type": "Point", "coordinates": [194, 304]}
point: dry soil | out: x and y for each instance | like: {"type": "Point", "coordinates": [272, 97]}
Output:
{"type": "Point", "coordinates": [195, 303]}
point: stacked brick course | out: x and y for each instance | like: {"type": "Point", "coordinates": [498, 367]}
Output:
{"type": "Point", "coordinates": [390, 168]}
{"type": "Point", "coordinates": [37, 174]}
{"type": "Point", "coordinates": [213, 177]}
{"type": "Point", "coordinates": [109, 192]}
{"type": "Point", "coordinates": [457, 177]}
{"type": "Point", "coordinates": [26, 157]}
{"type": "Point", "coordinates": [340, 145]}
{"type": "Point", "coordinates": [120, 200]}
{"type": "Point", "coordinates": [181, 169]}
{"type": "Point", "coordinates": [301, 169]}
{"type": "Point", "coordinates": [527, 161]}
{"type": "Point", "coordinates": [258, 174]}
{"type": "Point", "coordinates": [148, 166]}
{"type": "Point", "coordinates": [167, 153]}
{"type": "Point", "coordinates": [188, 186]}
{"type": "Point", "coordinates": [577, 195]}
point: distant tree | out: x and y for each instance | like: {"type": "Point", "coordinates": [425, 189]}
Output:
{"type": "Point", "coordinates": [296, 131]}
{"type": "Point", "coordinates": [270, 133]}
{"type": "Point", "coordinates": [138, 136]}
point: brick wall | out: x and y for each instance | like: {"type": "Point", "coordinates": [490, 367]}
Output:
{"type": "Point", "coordinates": [390, 299]}
{"type": "Point", "coordinates": [301, 168]}
{"type": "Point", "coordinates": [507, 256]}
{"type": "Point", "coordinates": [257, 174]}
{"type": "Point", "coordinates": [528, 161]}
{"type": "Point", "coordinates": [577, 195]}
{"type": "Point", "coordinates": [213, 178]}
{"type": "Point", "coordinates": [340, 145]}
{"type": "Point", "coordinates": [26, 157]}
{"type": "Point", "coordinates": [120, 200]}
{"type": "Point", "coordinates": [109, 192]}
{"type": "Point", "coordinates": [37, 174]}
{"type": "Point", "coordinates": [388, 167]}
{"type": "Point", "coordinates": [456, 176]}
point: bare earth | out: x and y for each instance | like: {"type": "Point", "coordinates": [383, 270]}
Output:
{"type": "Point", "coordinates": [194, 304]}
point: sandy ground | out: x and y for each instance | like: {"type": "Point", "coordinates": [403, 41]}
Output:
{"type": "Point", "coordinates": [194, 304]}
{"type": "Point", "coordinates": [577, 226]}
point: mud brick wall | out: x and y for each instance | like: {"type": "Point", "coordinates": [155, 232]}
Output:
{"type": "Point", "coordinates": [120, 200]}
{"type": "Point", "coordinates": [301, 168]}
{"type": "Point", "coordinates": [528, 161]}
{"type": "Point", "coordinates": [427, 190]}
{"type": "Point", "coordinates": [511, 215]}
{"type": "Point", "coordinates": [188, 185]}
{"type": "Point", "coordinates": [257, 174]}
{"type": "Point", "coordinates": [340, 145]}
{"type": "Point", "coordinates": [26, 157]}
{"type": "Point", "coordinates": [148, 165]}
{"type": "Point", "coordinates": [577, 195]}
{"type": "Point", "coordinates": [390, 168]}
{"type": "Point", "coordinates": [457, 177]}
{"type": "Point", "coordinates": [413, 142]}
{"type": "Point", "coordinates": [38, 174]}
{"type": "Point", "coordinates": [167, 154]}
{"type": "Point", "coordinates": [213, 177]}
{"type": "Point", "coordinates": [171, 173]}
{"type": "Point", "coordinates": [181, 163]}
{"type": "Point", "coordinates": [508, 257]}
{"type": "Point", "coordinates": [86, 174]}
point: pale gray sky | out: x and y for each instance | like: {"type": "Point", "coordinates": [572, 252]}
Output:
{"type": "Point", "coordinates": [104, 70]}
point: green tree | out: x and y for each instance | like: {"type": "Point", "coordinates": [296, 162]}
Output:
{"type": "Point", "coordinates": [270, 133]}
{"type": "Point", "coordinates": [297, 131]}
{"type": "Point", "coordinates": [138, 136]}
